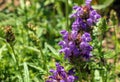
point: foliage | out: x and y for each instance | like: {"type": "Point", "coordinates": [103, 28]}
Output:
{"type": "Point", "coordinates": [36, 26]}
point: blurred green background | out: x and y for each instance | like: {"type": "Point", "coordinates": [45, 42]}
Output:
{"type": "Point", "coordinates": [31, 48]}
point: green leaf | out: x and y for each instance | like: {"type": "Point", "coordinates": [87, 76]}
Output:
{"type": "Point", "coordinates": [104, 5]}
{"type": "Point", "coordinates": [3, 48]}
{"type": "Point", "coordinates": [32, 49]}
{"type": "Point", "coordinates": [39, 32]}
{"type": "Point", "coordinates": [51, 48]}
{"type": "Point", "coordinates": [11, 52]}
{"type": "Point", "coordinates": [109, 54]}
{"type": "Point", "coordinates": [26, 73]}
{"type": "Point", "coordinates": [97, 77]}
{"type": "Point", "coordinates": [37, 68]}
{"type": "Point", "coordinates": [55, 52]}
{"type": "Point", "coordinates": [22, 4]}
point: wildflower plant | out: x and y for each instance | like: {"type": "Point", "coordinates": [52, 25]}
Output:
{"type": "Point", "coordinates": [76, 44]}
{"type": "Point", "coordinates": [60, 75]}
{"type": "Point", "coordinates": [31, 41]}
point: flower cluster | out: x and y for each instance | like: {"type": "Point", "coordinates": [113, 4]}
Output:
{"type": "Point", "coordinates": [75, 45]}
{"type": "Point", "coordinates": [10, 36]}
{"type": "Point", "coordinates": [60, 75]}
{"type": "Point", "coordinates": [84, 16]}
{"type": "Point", "coordinates": [76, 42]}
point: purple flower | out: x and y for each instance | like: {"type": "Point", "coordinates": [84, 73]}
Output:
{"type": "Point", "coordinates": [66, 51]}
{"type": "Point", "coordinates": [77, 46]}
{"type": "Point", "coordinates": [86, 37]}
{"type": "Point", "coordinates": [89, 21]}
{"type": "Point", "coordinates": [85, 17]}
{"type": "Point", "coordinates": [63, 44]}
{"type": "Point", "coordinates": [74, 34]}
{"type": "Point", "coordinates": [87, 2]}
{"type": "Point", "coordinates": [79, 11]}
{"type": "Point", "coordinates": [76, 24]}
{"type": "Point", "coordinates": [76, 52]}
{"type": "Point", "coordinates": [60, 75]}
{"type": "Point", "coordinates": [94, 16]}
{"type": "Point", "coordinates": [85, 47]}
{"type": "Point", "coordinates": [65, 34]}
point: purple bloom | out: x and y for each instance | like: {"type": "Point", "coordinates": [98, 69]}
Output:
{"type": "Point", "coordinates": [94, 16]}
{"type": "Point", "coordinates": [85, 16]}
{"type": "Point", "coordinates": [77, 46]}
{"type": "Point", "coordinates": [89, 21]}
{"type": "Point", "coordinates": [60, 75]}
{"type": "Point", "coordinates": [74, 34]}
{"type": "Point", "coordinates": [85, 47]}
{"type": "Point", "coordinates": [86, 37]}
{"type": "Point", "coordinates": [71, 45]}
{"type": "Point", "coordinates": [87, 2]}
{"type": "Point", "coordinates": [76, 24]}
{"type": "Point", "coordinates": [76, 52]}
{"type": "Point", "coordinates": [65, 34]}
{"type": "Point", "coordinates": [79, 11]}
{"type": "Point", "coordinates": [63, 44]}
{"type": "Point", "coordinates": [71, 71]}
{"type": "Point", "coordinates": [66, 51]}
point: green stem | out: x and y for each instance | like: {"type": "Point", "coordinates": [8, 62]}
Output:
{"type": "Point", "coordinates": [16, 58]}
{"type": "Point", "coordinates": [17, 62]}
{"type": "Point", "coordinates": [13, 49]}
{"type": "Point", "coordinates": [79, 73]}
{"type": "Point", "coordinates": [116, 53]}
{"type": "Point", "coordinates": [102, 59]}
{"type": "Point", "coordinates": [26, 21]}
{"type": "Point", "coordinates": [116, 56]}
{"type": "Point", "coordinates": [66, 14]}
{"type": "Point", "coordinates": [92, 76]}
{"type": "Point", "coordinates": [80, 76]}
{"type": "Point", "coordinates": [43, 58]}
